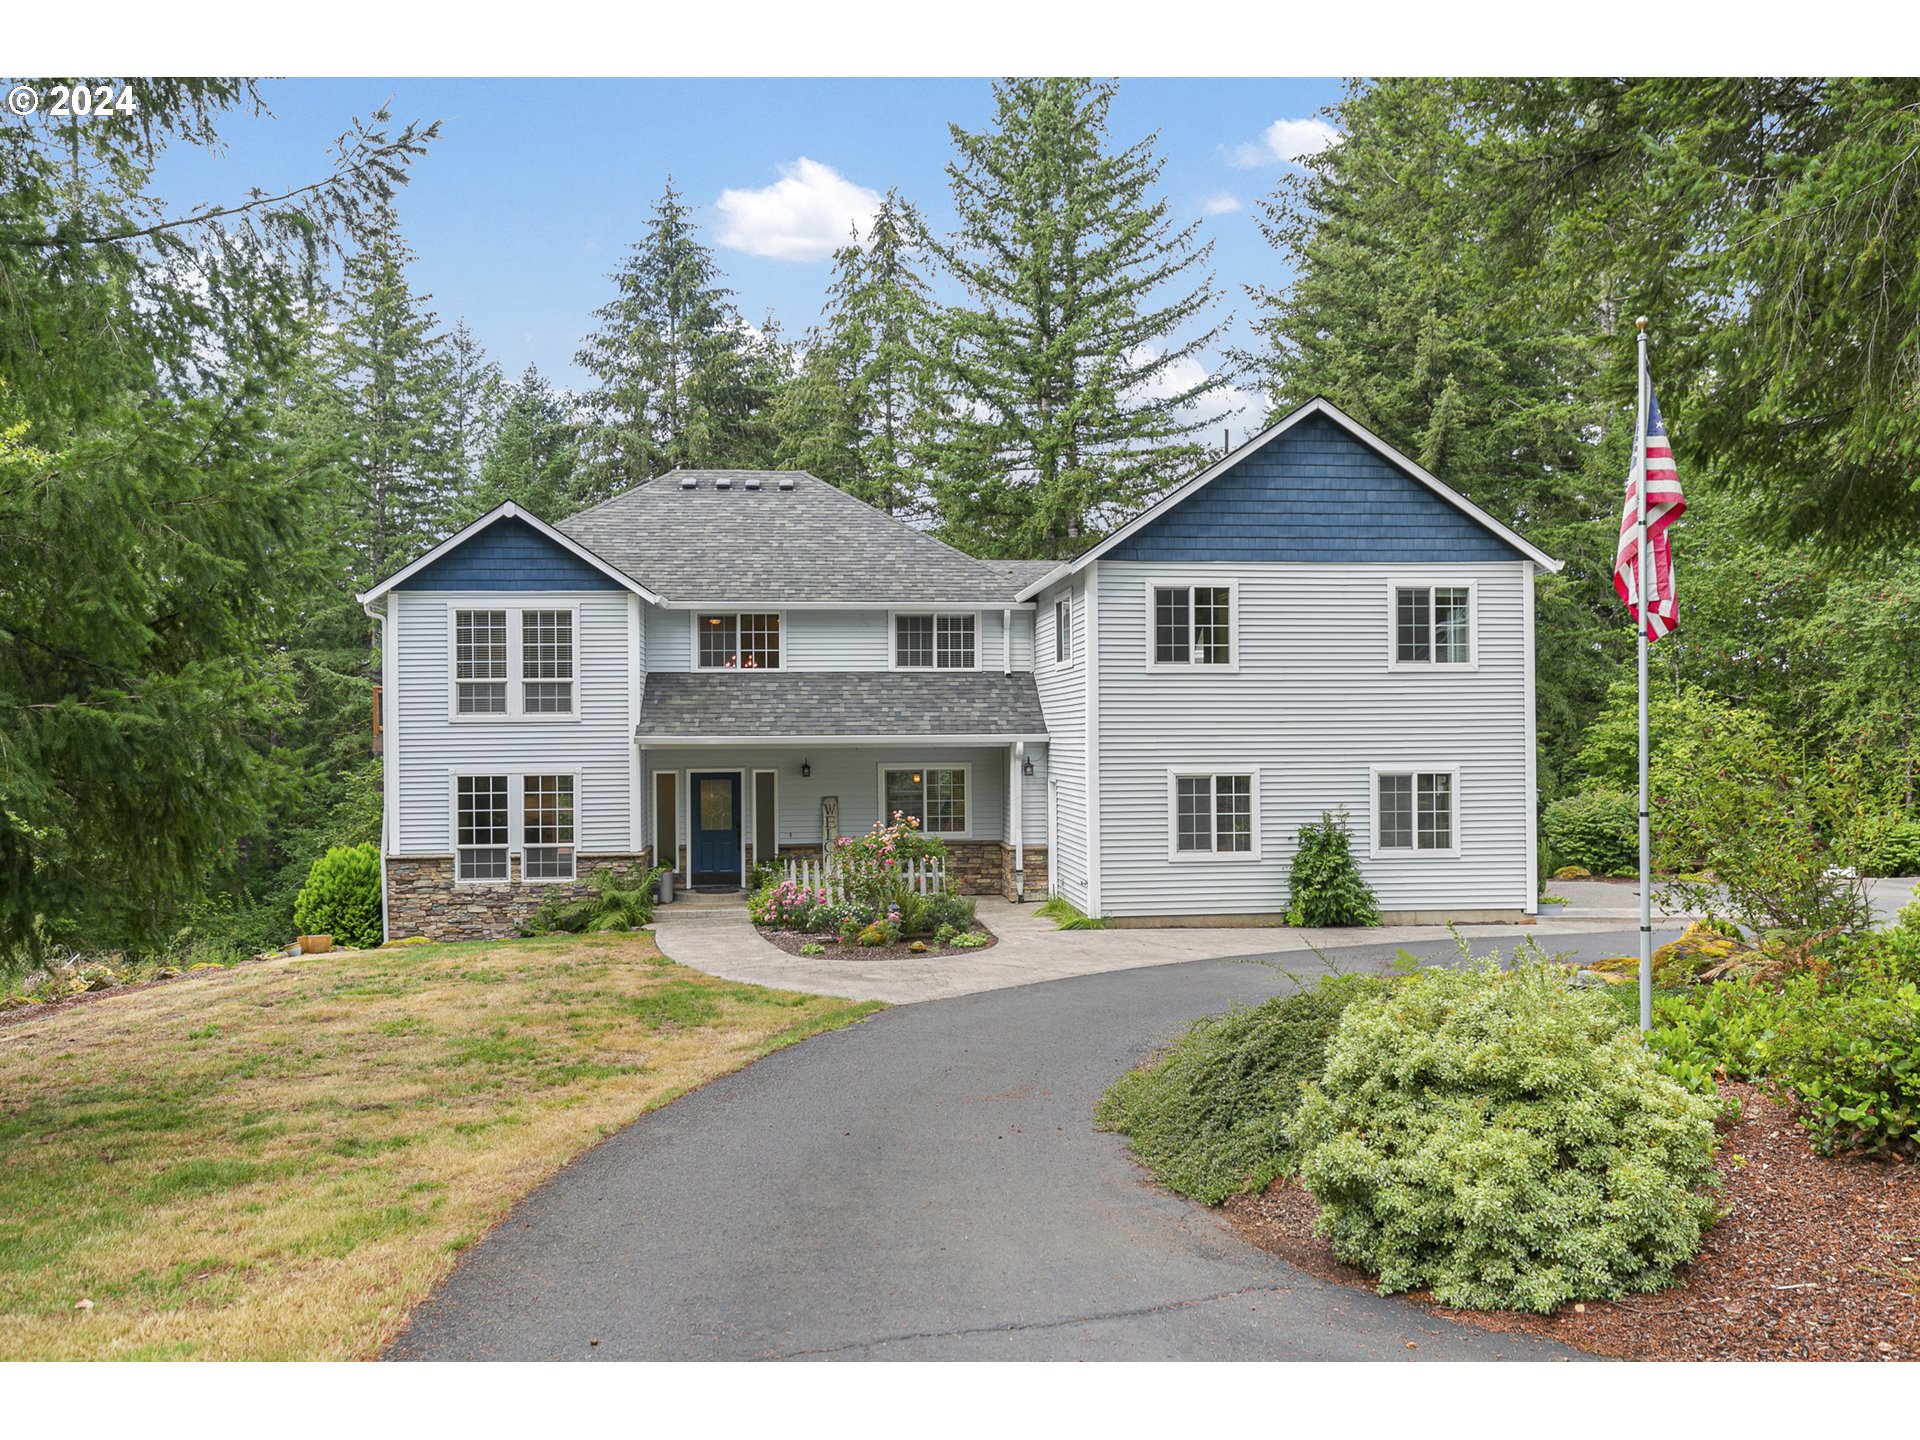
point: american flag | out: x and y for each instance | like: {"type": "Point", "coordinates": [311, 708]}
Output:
{"type": "Point", "coordinates": [1665, 504]}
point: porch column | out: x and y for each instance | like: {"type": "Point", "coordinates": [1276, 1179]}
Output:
{"type": "Point", "coordinates": [1016, 758]}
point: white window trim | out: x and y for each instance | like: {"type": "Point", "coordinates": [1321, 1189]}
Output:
{"type": "Point", "coordinates": [1177, 773]}
{"type": "Point", "coordinates": [516, 821]}
{"type": "Point", "coordinates": [516, 710]}
{"type": "Point", "coordinates": [1412, 767]}
{"type": "Point", "coordinates": [893, 640]}
{"type": "Point", "coordinates": [753, 779]}
{"type": "Point", "coordinates": [693, 640]}
{"type": "Point", "coordinates": [1190, 666]}
{"type": "Point", "coordinates": [1429, 583]}
{"type": "Point", "coordinates": [965, 767]}
{"type": "Point", "coordinates": [1073, 651]}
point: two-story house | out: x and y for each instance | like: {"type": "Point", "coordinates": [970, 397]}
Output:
{"type": "Point", "coordinates": [721, 666]}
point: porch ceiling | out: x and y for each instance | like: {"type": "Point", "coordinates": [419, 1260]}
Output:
{"type": "Point", "coordinates": [825, 705]}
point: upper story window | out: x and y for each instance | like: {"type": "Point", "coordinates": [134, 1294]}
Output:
{"type": "Point", "coordinates": [1413, 811]}
{"type": "Point", "coordinates": [737, 642]}
{"type": "Point", "coordinates": [1193, 626]}
{"type": "Point", "coordinates": [935, 642]}
{"type": "Point", "coordinates": [1432, 625]}
{"type": "Point", "coordinates": [1063, 630]}
{"type": "Point", "coordinates": [513, 663]}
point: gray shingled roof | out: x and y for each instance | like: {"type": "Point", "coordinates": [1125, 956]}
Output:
{"type": "Point", "coordinates": [1025, 572]}
{"type": "Point", "coordinates": [735, 535]}
{"type": "Point", "coordinates": [825, 703]}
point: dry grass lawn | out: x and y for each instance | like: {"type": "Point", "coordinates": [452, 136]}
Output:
{"type": "Point", "coordinates": [279, 1161]}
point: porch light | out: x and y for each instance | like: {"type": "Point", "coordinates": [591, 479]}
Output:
{"type": "Point", "coordinates": [806, 769]}
{"type": "Point", "coordinates": [1026, 766]}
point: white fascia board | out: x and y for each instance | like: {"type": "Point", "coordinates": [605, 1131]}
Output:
{"type": "Point", "coordinates": [660, 742]}
{"type": "Point", "coordinates": [1315, 406]}
{"type": "Point", "coordinates": [912, 605]}
{"type": "Point", "coordinates": [511, 511]}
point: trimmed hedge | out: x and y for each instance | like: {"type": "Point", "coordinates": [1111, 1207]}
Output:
{"type": "Point", "coordinates": [1598, 830]}
{"type": "Point", "coordinates": [342, 897]}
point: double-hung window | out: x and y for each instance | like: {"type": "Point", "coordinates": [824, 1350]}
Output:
{"type": "Point", "coordinates": [547, 827]}
{"type": "Point", "coordinates": [481, 826]}
{"type": "Point", "coordinates": [1414, 811]}
{"type": "Point", "coordinates": [1432, 626]}
{"type": "Point", "coordinates": [1063, 631]}
{"type": "Point", "coordinates": [494, 815]}
{"type": "Point", "coordinates": [480, 662]}
{"type": "Point", "coordinates": [1212, 815]}
{"type": "Point", "coordinates": [737, 642]}
{"type": "Point", "coordinates": [513, 663]}
{"type": "Point", "coordinates": [936, 796]}
{"type": "Point", "coordinates": [1193, 626]}
{"type": "Point", "coordinates": [935, 642]}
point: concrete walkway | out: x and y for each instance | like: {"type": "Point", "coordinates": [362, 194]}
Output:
{"type": "Point", "coordinates": [1031, 951]}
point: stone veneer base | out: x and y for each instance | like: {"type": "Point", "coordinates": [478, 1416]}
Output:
{"type": "Point", "coordinates": [422, 898]}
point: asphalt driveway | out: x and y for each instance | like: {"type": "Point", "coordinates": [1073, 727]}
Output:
{"type": "Point", "coordinates": [926, 1185]}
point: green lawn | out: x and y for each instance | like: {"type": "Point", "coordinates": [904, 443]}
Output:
{"type": "Point", "coordinates": [280, 1160]}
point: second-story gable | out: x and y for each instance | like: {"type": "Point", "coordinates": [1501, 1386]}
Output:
{"type": "Point", "coordinates": [510, 555]}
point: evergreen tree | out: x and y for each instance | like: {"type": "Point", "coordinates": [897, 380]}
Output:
{"type": "Point", "coordinates": [535, 455]}
{"type": "Point", "coordinates": [475, 394]}
{"type": "Point", "coordinates": [680, 379]}
{"type": "Point", "coordinates": [854, 413]}
{"type": "Point", "coordinates": [1065, 370]}
{"type": "Point", "coordinates": [153, 523]}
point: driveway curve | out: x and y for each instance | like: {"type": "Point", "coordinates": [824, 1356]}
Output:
{"type": "Point", "coordinates": [925, 1185]}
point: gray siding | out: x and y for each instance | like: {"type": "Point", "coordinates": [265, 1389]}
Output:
{"type": "Point", "coordinates": [834, 639]}
{"type": "Point", "coordinates": [1311, 708]}
{"type": "Point", "coordinates": [1063, 699]}
{"type": "Point", "coordinates": [433, 746]}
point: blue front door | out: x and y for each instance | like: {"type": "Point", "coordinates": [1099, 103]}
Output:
{"type": "Point", "coordinates": [716, 830]}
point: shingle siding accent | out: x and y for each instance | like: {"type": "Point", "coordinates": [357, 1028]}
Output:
{"type": "Point", "coordinates": [510, 555]}
{"type": "Point", "coordinates": [849, 703]}
{"type": "Point", "coordinates": [1315, 493]}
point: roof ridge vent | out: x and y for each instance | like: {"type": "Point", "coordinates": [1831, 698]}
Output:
{"type": "Point", "coordinates": [752, 482]}
{"type": "Point", "coordinates": [723, 482]}
{"type": "Point", "coordinates": [689, 482]}
{"type": "Point", "coordinates": [786, 482]}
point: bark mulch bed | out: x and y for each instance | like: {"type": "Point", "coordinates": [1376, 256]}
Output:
{"type": "Point", "coordinates": [791, 941]}
{"type": "Point", "coordinates": [1816, 1260]}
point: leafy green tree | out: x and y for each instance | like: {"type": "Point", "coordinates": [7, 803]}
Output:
{"type": "Point", "coordinates": [1069, 370]}
{"type": "Point", "coordinates": [854, 412]}
{"type": "Point", "coordinates": [152, 520]}
{"type": "Point", "coordinates": [680, 379]}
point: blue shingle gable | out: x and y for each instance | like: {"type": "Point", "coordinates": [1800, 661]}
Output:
{"type": "Point", "coordinates": [510, 555]}
{"type": "Point", "coordinates": [1315, 493]}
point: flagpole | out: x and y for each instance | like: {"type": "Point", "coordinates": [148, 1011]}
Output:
{"type": "Point", "coordinates": [1643, 572]}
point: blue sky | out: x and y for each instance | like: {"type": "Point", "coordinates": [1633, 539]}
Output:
{"type": "Point", "coordinates": [527, 202]}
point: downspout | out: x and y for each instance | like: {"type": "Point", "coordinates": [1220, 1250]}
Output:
{"type": "Point", "coordinates": [1017, 804]}
{"type": "Point", "coordinates": [387, 741]}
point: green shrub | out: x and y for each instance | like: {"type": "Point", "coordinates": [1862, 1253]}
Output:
{"type": "Point", "coordinates": [1498, 1137]}
{"type": "Point", "coordinates": [973, 940]}
{"type": "Point", "coordinates": [813, 948]}
{"type": "Point", "coordinates": [1209, 1117]}
{"type": "Point", "coordinates": [618, 902]}
{"type": "Point", "coordinates": [1896, 851]}
{"type": "Point", "coordinates": [1324, 884]}
{"type": "Point", "coordinates": [342, 897]}
{"type": "Point", "coordinates": [944, 935]}
{"type": "Point", "coordinates": [1068, 916]}
{"type": "Point", "coordinates": [946, 910]}
{"type": "Point", "coordinates": [1597, 830]}
{"type": "Point", "coordinates": [878, 933]}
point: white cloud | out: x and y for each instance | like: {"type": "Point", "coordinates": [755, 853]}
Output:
{"type": "Point", "coordinates": [804, 215]}
{"type": "Point", "coordinates": [1220, 203]}
{"type": "Point", "coordinates": [1181, 376]}
{"type": "Point", "coordinates": [1285, 142]}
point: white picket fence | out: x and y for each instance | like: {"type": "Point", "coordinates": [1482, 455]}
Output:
{"type": "Point", "coordinates": [923, 877]}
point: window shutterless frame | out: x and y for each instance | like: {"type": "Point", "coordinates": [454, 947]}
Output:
{"type": "Point", "coordinates": [1063, 632]}
{"type": "Point", "coordinates": [1435, 619]}
{"type": "Point", "coordinates": [554, 641]}
{"type": "Point", "coordinates": [928, 797]}
{"type": "Point", "coordinates": [515, 816]}
{"type": "Point", "coordinates": [1231, 807]}
{"type": "Point", "coordinates": [1419, 799]}
{"type": "Point", "coordinates": [759, 633]}
{"type": "Point", "coordinates": [1196, 618]}
{"type": "Point", "coordinates": [944, 638]}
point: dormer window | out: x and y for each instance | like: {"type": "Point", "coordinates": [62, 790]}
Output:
{"type": "Point", "coordinates": [935, 642]}
{"type": "Point", "coordinates": [737, 642]}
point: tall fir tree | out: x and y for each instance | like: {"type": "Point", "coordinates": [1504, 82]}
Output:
{"type": "Point", "coordinates": [680, 379]}
{"type": "Point", "coordinates": [476, 391]}
{"type": "Point", "coordinates": [534, 457]}
{"type": "Point", "coordinates": [1070, 371]}
{"type": "Point", "coordinates": [854, 413]}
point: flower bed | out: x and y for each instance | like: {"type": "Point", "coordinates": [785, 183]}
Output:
{"type": "Point", "coordinates": [827, 947]}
